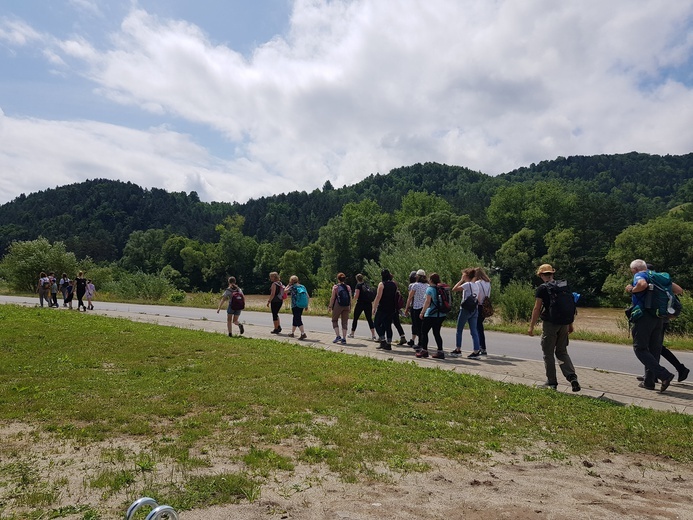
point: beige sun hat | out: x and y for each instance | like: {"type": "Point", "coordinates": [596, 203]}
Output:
{"type": "Point", "coordinates": [545, 268]}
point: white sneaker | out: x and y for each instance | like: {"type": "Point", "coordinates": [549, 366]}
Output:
{"type": "Point", "coordinates": [350, 335]}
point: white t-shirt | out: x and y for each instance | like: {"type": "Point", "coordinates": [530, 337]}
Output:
{"type": "Point", "coordinates": [483, 290]}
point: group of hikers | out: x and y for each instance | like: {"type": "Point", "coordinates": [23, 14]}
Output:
{"type": "Point", "coordinates": [428, 303]}
{"type": "Point", "coordinates": [49, 286]}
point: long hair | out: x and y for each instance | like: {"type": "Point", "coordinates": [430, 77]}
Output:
{"type": "Point", "coordinates": [481, 274]}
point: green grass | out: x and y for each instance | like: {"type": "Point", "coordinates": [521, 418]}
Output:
{"type": "Point", "coordinates": [187, 395]}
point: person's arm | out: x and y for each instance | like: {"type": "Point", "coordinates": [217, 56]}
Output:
{"type": "Point", "coordinates": [221, 301]}
{"type": "Point", "coordinates": [536, 311]}
{"type": "Point", "coordinates": [333, 297]}
{"type": "Point", "coordinates": [640, 286]}
{"type": "Point", "coordinates": [357, 292]}
{"type": "Point", "coordinates": [458, 286]}
{"type": "Point", "coordinates": [427, 304]}
{"type": "Point", "coordinates": [273, 293]}
{"type": "Point", "coordinates": [676, 288]}
{"type": "Point", "coordinates": [410, 298]}
{"type": "Point", "coordinates": [378, 295]}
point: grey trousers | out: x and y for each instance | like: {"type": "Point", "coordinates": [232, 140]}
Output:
{"type": "Point", "coordinates": [554, 343]}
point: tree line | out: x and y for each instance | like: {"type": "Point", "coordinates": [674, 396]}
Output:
{"type": "Point", "coordinates": [587, 216]}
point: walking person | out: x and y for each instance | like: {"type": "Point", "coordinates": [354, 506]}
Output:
{"type": "Point", "coordinates": [299, 302]}
{"type": "Point", "coordinates": [69, 293]}
{"type": "Point", "coordinates": [415, 302]}
{"type": "Point", "coordinates": [432, 315]}
{"type": "Point", "coordinates": [64, 282]}
{"type": "Point", "coordinates": [666, 353]}
{"type": "Point", "coordinates": [43, 288]}
{"type": "Point", "coordinates": [364, 304]}
{"type": "Point", "coordinates": [275, 301]}
{"type": "Point", "coordinates": [557, 317]}
{"type": "Point", "coordinates": [81, 288]}
{"type": "Point", "coordinates": [385, 306]}
{"type": "Point", "coordinates": [234, 295]}
{"type": "Point", "coordinates": [469, 313]}
{"type": "Point", "coordinates": [647, 330]}
{"type": "Point", "coordinates": [340, 307]}
{"type": "Point", "coordinates": [54, 290]}
{"type": "Point", "coordinates": [483, 283]}
{"type": "Point", "coordinates": [90, 293]}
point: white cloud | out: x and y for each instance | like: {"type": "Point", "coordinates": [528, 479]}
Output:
{"type": "Point", "coordinates": [362, 86]}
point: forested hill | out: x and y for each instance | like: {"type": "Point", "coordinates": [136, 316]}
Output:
{"type": "Point", "coordinates": [96, 217]}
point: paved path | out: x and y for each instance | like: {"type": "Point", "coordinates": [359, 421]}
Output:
{"type": "Point", "coordinates": [597, 382]}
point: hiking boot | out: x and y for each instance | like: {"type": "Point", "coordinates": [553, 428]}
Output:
{"type": "Point", "coordinates": [683, 374]}
{"type": "Point", "coordinates": [410, 342]}
{"type": "Point", "coordinates": [402, 340]}
{"type": "Point", "coordinates": [474, 355]}
{"type": "Point", "coordinates": [423, 353]}
{"type": "Point", "coordinates": [291, 335]}
{"type": "Point", "coordinates": [384, 345]}
{"type": "Point", "coordinates": [303, 336]}
{"type": "Point", "coordinates": [438, 354]}
{"type": "Point", "coordinates": [576, 386]}
{"type": "Point", "coordinates": [274, 331]}
{"type": "Point", "coordinates": [241, 328]}
{"type": "Point", "coordinates": [646, 387]}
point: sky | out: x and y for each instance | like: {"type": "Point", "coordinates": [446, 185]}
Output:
{"type": "Point", "coordinates": [239, 99]}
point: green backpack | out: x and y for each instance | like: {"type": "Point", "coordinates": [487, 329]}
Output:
{"type": "Point", "coordinates": [660, 299]}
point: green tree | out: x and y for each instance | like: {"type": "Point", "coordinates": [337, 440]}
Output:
{"type": "Point", "coordinates": [350, 239]}
{"type": "Point", "coordinates": [517, 256]}
{"type": "Point", "coordinates": [143, 251]}
{"type": "Point", "coordinates": [25, 260]}
{"type": "Point", "coordinates": [417, 204]}
{"type": "Point", "coordinates": [299, 263]}
{"type": "Point", "coordinates": [666, 242]}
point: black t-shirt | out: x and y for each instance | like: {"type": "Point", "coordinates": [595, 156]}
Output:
{"type": "Point", "coordinates": [387, 299]}
{"type": "Point", "coordinates": [81, 285]}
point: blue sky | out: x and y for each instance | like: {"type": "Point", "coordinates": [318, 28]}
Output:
{"type": "Point", "coordinates": [240, 99]}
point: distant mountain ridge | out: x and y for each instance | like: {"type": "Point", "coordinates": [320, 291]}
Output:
{"type": "Point", "coordinates": [96, 217]}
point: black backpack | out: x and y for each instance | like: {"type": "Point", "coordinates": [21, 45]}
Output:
{"type": "Point", "coordinates": [562, 309]}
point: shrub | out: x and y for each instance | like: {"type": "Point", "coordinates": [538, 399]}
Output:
{"type": "Point", "coordinates": [517, 301]}
{"type": "Point", "coordinates": [140, 286]}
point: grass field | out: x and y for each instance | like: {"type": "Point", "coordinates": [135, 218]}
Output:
{"type": "Point", "coordinates": [195, 419]}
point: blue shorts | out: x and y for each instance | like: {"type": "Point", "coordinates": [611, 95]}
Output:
{"type": "Point", "coordinates": [232, 312]}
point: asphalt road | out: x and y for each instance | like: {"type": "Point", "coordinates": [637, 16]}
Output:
{"type": "Point", "coordinates": [602, 356]}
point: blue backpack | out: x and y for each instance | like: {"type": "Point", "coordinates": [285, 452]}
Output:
{"type": "Point", "coordinates": [343, 296]}
{"type": "Point", "coordinates": [301, 296]}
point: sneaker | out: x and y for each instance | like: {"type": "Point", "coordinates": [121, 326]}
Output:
{"type": "Point", "coordinates": [241, 328]}
{"type": "Point", "coordinates": [343, 341]}
{"type": "Point", "coordinates": [640, 378]}
{"type": "Point", "coordinates": [279, 329]}
{"type": "Point", "coordinates": [474, 355]}
{"type": "Point", "coordinates": [384, 345]}
{"type": "Point", "coordinates": [552, 386]}
{"type": "Point", "coordinates": [374, 339]}
{"type": "Point", "coordinates": [410, 342]}
{"type": "Point", "coordinates": [438, 354]}
{"type": "Point", "coordinates": [683, 374]}
{"type": "Point", "coordinates": [483, 353]}
{"type": "Point", "coordinates": [291, 335]}
{"type": "Point", "coordinates": [303, 336]}
{"type": "Point", "coordinates": [338, 339]}
{"type": "Point", "coordinates": [646, 387]}
{"type": "Point", "coordinates": [455, 353]}
{"type": "Point", "coordinates": [402, 340]}
{"type": "Point", "coordinates": [380, 339]}
{"type": "Point", "coordinates": [423, 353]}
{"type": "Point", "coordinates": [576, 386]}
{"type": "Point", "coordinates": [230, 335]}
{"type": "Point", "coordinates": [274, 331]}
{"type": "Point", "coordinates": [350, 335]}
